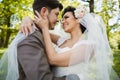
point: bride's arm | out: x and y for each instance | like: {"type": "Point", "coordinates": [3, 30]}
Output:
{"type": "Point", "coordinates": [70, 57]}
{"type": "Point", "coordinates": [53, 57]}
{"type": "Point", "coordinates": [62, 59]}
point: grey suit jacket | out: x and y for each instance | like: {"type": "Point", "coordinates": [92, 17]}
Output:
{"type": "Point", "coordinates": [33, 64]}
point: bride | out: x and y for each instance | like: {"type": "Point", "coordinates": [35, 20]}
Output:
{"type": "Point", "coordinates": [86, 53]}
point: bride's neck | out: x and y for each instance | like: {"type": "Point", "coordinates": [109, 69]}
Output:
{"type": "Point", "coordinates": [76, 34]}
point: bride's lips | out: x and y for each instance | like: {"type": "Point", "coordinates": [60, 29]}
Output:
{"type": "Point", "coordinates": [64, 25]}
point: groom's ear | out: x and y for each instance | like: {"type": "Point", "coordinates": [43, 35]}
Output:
{"type": "Point", "coordinates": [44, 12]}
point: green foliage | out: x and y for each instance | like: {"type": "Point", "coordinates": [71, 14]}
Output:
{"type": "Point", "coordinates": [107, 13]}
{"type": "Point", "coordinates": [69, 3]}
{"type": "Point", "coordinates": [114, 40]}
{"type": "Point", "coordinates": [12, 12]}
{"type": "Point", "coordinates": [2, 50]}
{"type": "Point", "coordinates": [116, 65]}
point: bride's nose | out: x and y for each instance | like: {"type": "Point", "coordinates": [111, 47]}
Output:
{"type": "Point", "coordinates": [62, 21]}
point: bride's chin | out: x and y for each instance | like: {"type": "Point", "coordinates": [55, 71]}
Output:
{"type": "Point", "coordinates": [66, 31]}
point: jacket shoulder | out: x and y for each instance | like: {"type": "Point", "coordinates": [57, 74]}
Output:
{"type": "Point", "coordinates": [35, 38]}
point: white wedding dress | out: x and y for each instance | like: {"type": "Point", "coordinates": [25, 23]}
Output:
{"type": "Point", "coordinates": [91, 57]}
{"type": "Point", "coordinates": [79, 68]}
{"type": "Point", "coordinates": [90, 68]}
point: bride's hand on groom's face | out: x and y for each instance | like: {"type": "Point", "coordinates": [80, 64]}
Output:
{"type": "Point", "coordinates": [41, 21]}
{"type": "Point", "coordinates": [26, 25]}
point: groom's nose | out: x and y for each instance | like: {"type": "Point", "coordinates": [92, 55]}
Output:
{"type": "Point", "coordinates": [57, 20]}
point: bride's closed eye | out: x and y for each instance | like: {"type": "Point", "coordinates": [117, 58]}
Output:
{"type": "Point", "coordinates": [65, 17]}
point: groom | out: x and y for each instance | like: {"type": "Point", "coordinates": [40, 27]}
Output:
{"type": "Point", "coordinates": [33, 64]}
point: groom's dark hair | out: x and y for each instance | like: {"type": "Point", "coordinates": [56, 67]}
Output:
{"type": "Point", "coordinates": [50, 4]}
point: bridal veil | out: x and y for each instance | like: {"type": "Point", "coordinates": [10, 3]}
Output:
{"type": "Point", "coordinates": [94, 49]}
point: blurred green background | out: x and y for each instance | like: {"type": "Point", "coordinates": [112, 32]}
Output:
{"type": "Point", "coordinates": [13, 11]}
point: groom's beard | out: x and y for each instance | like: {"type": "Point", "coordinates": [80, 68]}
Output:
{"type": "Point", "coordinates": [50, 26]}
{"type": "Point", "coordinates": [51, 29]}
